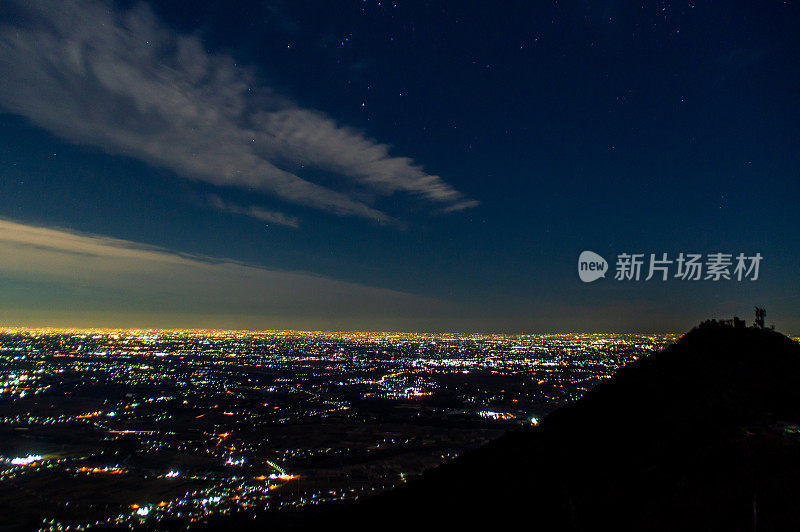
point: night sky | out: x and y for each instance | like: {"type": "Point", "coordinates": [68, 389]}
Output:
{"type": "Point", "coordinates": [394, 166]}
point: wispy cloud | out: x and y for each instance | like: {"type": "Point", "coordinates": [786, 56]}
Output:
{"type": "Point", "coordinates": [460, 206]}
{"type": "Point", "coordinates": [122, 81]}
{"type": "Point", "coordinates": [253, 211]}
{"type": "Point", "coordinates": [109, 281]}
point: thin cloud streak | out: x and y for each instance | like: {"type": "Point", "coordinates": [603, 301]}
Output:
{"type": "Point", "coordinates": [468, 204]}
{"type": "Point", "coordinates": [254, 211]}
{"type": "Point", "coordinates": [98, 275]}
{"type": "Point", "coordinates": [124, 82]}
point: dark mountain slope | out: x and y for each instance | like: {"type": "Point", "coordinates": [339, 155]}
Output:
{"type": "Point", "coordinates": [701, 436]}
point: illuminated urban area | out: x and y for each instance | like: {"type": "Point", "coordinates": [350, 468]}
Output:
{"type": "Point", "coordinates": [148, 428]}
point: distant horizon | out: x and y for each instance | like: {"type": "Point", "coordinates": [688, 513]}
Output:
{"type": "Point", "coordinates": [4, 329]}
{"type": "Point", "coordinates": [195, 330]}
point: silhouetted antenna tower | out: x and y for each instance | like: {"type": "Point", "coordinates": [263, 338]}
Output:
{"type": "Point", "coordinates": [761, 313]}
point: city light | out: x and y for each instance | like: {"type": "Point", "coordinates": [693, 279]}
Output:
{"type": "Point", "coordinates": [216, 422]}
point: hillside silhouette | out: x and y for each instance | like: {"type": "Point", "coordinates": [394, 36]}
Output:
{"type": "Point", "coordinates": [704, 435]}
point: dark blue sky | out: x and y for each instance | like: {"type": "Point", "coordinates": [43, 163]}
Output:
{"type": "Point", "coordinates": [447, 161]}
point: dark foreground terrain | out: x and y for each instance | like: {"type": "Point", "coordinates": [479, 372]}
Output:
{"type": "Point", "coordinates": [704, 435]}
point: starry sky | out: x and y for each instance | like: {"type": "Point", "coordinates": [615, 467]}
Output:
{"type": "Point", "coordinates": [429, 166]}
